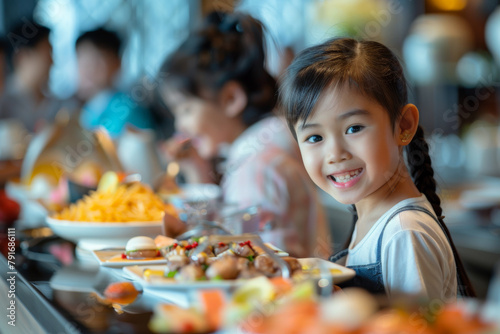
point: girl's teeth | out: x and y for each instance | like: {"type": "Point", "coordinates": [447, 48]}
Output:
{"type": "Point", "coordinates": [347, 176]}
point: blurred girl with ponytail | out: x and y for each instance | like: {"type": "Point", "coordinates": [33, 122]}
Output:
{"type": "Point", "coordinates": [345, 102]}
{"type": "Point", "coordinates": [223, 99]}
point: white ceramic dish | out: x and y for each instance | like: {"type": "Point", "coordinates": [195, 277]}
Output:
{"type": "Point", "coordinates": [93, 236]}
{"type": "Point", "coordinates": [136, 274]}
{"type": "Point", "coordinates": [113, 258]}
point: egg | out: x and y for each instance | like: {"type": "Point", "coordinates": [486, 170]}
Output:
{"type": "Point", "coordinates": [140, 243]}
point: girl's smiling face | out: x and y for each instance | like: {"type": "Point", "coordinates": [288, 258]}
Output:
{"type": "Point", "coordinates": [348, 146]}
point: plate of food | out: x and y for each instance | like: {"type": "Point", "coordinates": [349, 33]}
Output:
{"type": "Point", "coordinates": [109, 217]}
{"type": "Point", "coordinates": [198, 264]}
{"type": "Point", "coordinates": [156, 276]}
{"type": "Point", "coordinates": [139, 250]}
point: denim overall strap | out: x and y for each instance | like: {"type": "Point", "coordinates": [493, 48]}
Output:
{"type": "Point", "coordinates": [337, 256]}
{"type": "Point", "coordinates": [398, 211]}
{"type": "Point", "coordinates": [340, 254]}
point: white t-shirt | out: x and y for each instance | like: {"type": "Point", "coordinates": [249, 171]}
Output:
{"type": "Point", "coordinates": [416, 256]}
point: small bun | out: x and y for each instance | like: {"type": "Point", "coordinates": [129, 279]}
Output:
{"type": "Point", "coordinates": [140, 243]}
{"type": "Point", "coordinates": [121, 293]}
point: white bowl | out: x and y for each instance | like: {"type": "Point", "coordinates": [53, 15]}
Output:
{"type": "Point", "coordinates": [91, 235]}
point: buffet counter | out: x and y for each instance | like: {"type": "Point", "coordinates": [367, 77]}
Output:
{"type": "Point", "coordinates": [50, 298]}
{"type": "Point", "coordinates": [50, 285]}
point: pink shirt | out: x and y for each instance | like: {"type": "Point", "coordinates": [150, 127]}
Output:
{"type": "Point", "coordinates": [264, 168]}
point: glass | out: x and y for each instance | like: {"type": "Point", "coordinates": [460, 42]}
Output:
{"type": "Point", "coordinates": [494, 288]}
{"type": "Point", "coordinates": [237, 220]}
{"type": "Point", "coordinates": [195, 212]}
{"type": "Point", "coordinates": [491, 308]}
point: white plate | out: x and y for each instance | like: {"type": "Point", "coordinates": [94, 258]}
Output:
{"type": "Point", "coordinates": [314, 262]}
{"type": "Point", "coordinates": [93, 236]}
{"type": "Point", "coordinates": [113, 258]}
{"type": "Point", "coordinates": [135, 273]}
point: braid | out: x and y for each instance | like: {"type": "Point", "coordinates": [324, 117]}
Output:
{"type": "Point", "coordinates": [419, 163]}
{"type": "Point", "coordinates": [421, 170]}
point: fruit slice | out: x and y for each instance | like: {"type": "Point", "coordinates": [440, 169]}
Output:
{"type": "Point", "coordinates": [213, 303]}
{"type": "Point", "coordinates": [258, 289]}
{"type": "Point", "coordinates": [109, 182]}
{"type": "Point", "coordinates": [174, 319]}
{"type": "Point", "coordinates": [281, 285]}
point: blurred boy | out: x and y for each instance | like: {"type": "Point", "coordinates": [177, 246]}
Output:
{"type": "Point", "coordinates": [98, 55]}
{"type": "Point", "coordinates": [26, 97]}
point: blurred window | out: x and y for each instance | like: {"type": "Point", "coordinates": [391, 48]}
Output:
{"type": "Point", "coordinates": [150, 30]}
{"type": "Point", "coordinates": [297, 24]}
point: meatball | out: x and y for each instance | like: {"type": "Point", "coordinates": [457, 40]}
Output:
{"type": "Point", "coordinates": [249, 272]}
{"type": "Point", "coordinates": [243, 250]}
{"type": "Point", "coordinates": [293, 264]}
{"type": "Point", "coordinates": [265, 264]}
{"type": "Point", "coordinates": [174, 262]}
{"type": "Point", "coordinates": [225, 268]}
{"type": "Point", "coordinates": [191, 272]}
{"type": "Point", "coordinates": [242, 263]}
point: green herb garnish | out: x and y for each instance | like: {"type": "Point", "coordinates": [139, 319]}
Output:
{"type": "Point", "coordinates": [171, 274]}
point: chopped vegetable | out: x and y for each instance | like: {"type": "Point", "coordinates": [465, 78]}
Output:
{"type": "Point", "coordinates": [150, 272]}
{"type": "Point", "coordinates": [171, 274]}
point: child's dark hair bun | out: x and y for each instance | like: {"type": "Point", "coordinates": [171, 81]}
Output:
{"type": "Point", "coordinates": [227, 47]}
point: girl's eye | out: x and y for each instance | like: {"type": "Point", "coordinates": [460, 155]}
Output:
{"type": "Point", "coordinates": [314, 139]}
{"type": "Point", "coordinates": [354, 129]}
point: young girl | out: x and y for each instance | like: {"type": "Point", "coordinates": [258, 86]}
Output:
{"type": "Point", "coordinates": [345, 101]}
{"type": "Point", "coordinates": [222, 97]}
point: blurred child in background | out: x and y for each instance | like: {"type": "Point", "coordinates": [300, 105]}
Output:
{"type": "Point", "coordinates": [99, 63]}
{"type": "Point", "coordinates": [223, 98]}
{"type": "Point", "coordinates": [26, 96]}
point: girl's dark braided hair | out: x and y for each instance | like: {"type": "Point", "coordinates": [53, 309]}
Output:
{"type": "Point", "coordinates": [419, 164]}
{"type": "Point", "coordinates": [374, 70]}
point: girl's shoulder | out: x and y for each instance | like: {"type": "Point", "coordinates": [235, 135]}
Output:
{"type": "Point", "coordinates": [415, 216]}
